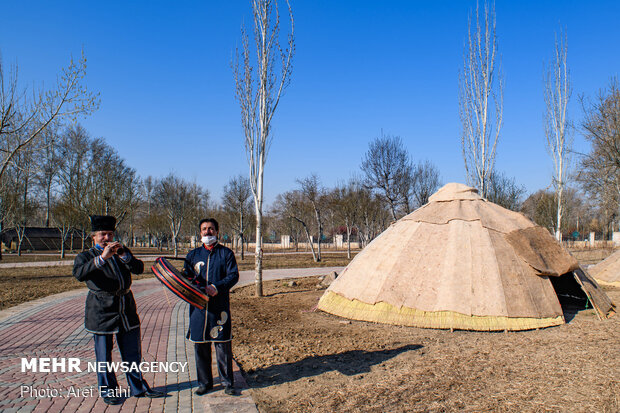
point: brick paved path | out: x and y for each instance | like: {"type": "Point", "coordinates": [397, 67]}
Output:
{"type": "Point", "coordinates": [53, 327]}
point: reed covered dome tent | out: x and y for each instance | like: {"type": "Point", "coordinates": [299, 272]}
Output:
{"type": "Point", "coordinates": [462, 262]}
{"type": "Point", "coordinates": [607, 272]}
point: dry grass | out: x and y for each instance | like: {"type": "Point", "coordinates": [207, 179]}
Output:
{"type": "Point", "coordinates": [38, 257]}
{"type": "Point", "coordinates": [42, 256]}
{"type": "Point", "coordinates": [589, 256]}
{"type": "Point", "coordinates": [297, 360]}
{"type": "Point", "coordinates": [295, 260]}
{"type": "Point", "coordinates": [18, 285]}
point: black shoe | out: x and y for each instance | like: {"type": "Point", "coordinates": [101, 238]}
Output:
{"type": "Point", "coordinates": [151, 394]}
{"type": "Point", "coordinates": [203, 389]}
{"type": "Point", "coordinates": [112, 400]}
{"type": "Point", "coordinates": [231, 391]}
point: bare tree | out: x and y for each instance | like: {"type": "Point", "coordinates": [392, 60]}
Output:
{"type": "Point", "coordinates": [559, 141]}
{"type": "Point", "coordinates": [94, 179]}
{"type": "Point", "coordinates": [387, 168]}
{"type": "Point", "coordinates": [481, 98]}
{"type": "Point", "coordinates": [236, 200]}
{"type": "Point", "coordinates": [113, 187]}
{"type": "Point", "coordinates": [284, 224]}
{"type": "Point", "coordinates": [73, 181]}
{"type": "Point", "coordinates": [343, 201]}
{"type": "Point", "coordinates": [406, 183]}
{"type": "Point", "coordinates": [65, 218]}
{"type": "Point", "coordinates": [25, 168]}
{"type": "Point", "coordinates": [148, 213]}
{"type": "Point", "coordinates": [258, 94]}
{"type": "Point", "coordinates": [23, 120]}
{"type": "Point", "coordinates": [425, 182]}
{"type": "Point", "coordinates": [18, 200]}
{"type": "Point", "coordinates": [600, 168]}
{"type": "Point", "coordinates": [504, 191]}
{"type": "Point", "coordinates": [47, 174]}
{"type": "Point", "coordinates": [373, 215]}
{"type": "Point", "coordinates": [540, 207]}
{"type": "Point", "coordinates": [313, 193]}
{"type": "Point", "coordinates": [178, 200]}
{"type": "Point", "coordinates": [292, 205]}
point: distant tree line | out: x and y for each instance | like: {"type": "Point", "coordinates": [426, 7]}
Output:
{"type": "Point", "coordinates": [65, 174]}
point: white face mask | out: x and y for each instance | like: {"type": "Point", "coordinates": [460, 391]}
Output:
{"type": "Point", "coordinates": [209, 239]}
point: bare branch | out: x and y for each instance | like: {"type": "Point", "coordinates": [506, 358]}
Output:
{"type": "Point", "coordinates": [480, 99]}
{"type": "Point", "coordinates": [557, 93]}
{"type": "Point", "coordinates": [258, 93]}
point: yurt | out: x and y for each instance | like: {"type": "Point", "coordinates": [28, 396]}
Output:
{"type": "Point", "coordinates": [607, 272]}
{"type": "Point", "coordinates": [462, 262]}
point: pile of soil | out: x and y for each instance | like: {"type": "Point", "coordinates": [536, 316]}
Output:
{"type": "Point", "coordinates": [297, 359]}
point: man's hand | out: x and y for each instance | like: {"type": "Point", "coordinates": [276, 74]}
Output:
{"type": "Point", "coordinates": [211, 290]}
{"type": "Point", "coordinates": [111, 249]}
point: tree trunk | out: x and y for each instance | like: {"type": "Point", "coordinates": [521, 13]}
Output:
{"type": "Point", "coordinates": [241, 233]}
{"type": "Point", "coordinates": [258, 205]}
{"type": "Point", "coordinates": [258, 254]}
{"type": "Point", "coordinates": [1, 227]}
{"type": "Point", "coordinates": [20, 238]}
{"type": "Point", "coordinates": [311, 243]}
{"type": "Point", "coordinates": [63, 237]}
{"type": "Point", "coordinates": [320, 229]}
{"type": "Point", "coordinates": [303, 224]}
{"type": "Point", "coordinates": [348, 241]}
{"type": "Point", "coordinates": [48, 206]}
{"type": "Point", "coordinates": [392, 209]}
{"type": "Point", "coordinates": [558, 231]}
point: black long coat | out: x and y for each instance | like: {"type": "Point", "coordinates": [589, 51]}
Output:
{"type": "Point", "coordinates": [110, 305]}
{"type": "Point", "coordinates": [214, 324]}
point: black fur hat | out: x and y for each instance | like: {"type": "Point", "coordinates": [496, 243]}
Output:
{"type": "Point", "coordinates": [103, 223]}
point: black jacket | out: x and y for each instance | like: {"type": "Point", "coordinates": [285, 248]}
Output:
{"type": "Point", "coordinates": [110, 305]}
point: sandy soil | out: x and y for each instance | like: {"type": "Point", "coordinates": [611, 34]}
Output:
{"type": "Point", "coordinates": [299, 360]}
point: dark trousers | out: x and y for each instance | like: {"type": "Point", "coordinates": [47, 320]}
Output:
{"type": "Point", "coordinates": [223, 355]}
{"type": "Point", "coordinates": [129, 346]}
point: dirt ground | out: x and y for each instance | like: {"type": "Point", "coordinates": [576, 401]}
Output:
{"type": "Point", "coordinates": [299, 360]}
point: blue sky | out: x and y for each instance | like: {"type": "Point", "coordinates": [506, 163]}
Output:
{"type": "Point", "coordinates": [167, 90]}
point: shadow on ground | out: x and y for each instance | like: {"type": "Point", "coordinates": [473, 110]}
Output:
{"type": "Point", "coordinates": [348, 363]}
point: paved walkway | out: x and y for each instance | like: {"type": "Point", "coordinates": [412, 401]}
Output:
{"type": "Point", "coordinates": [53, 327]}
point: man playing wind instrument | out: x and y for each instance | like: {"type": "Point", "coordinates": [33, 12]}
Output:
{"type": "Point", "coordinates": [110, 307]}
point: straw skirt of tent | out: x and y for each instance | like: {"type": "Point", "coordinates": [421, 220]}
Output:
{"type": "Point", "coordinates": [607, 272]}
{"type": "Point", "coordinates": [458, 262]}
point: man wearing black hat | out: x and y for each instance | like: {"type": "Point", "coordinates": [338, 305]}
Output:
{"type": "Point", "coordinates": [111, 309]}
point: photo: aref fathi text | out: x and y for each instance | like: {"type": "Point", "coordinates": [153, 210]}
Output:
{"type": "Point", "coordinates": [41, 392]}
